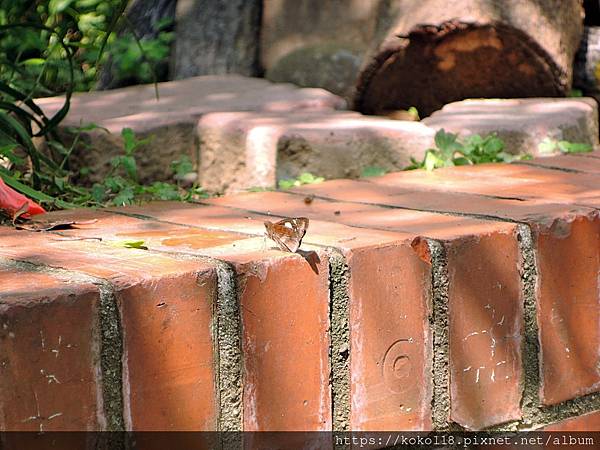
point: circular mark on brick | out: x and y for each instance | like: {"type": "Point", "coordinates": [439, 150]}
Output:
{"type": "Point", "coordinates": [398, 367]}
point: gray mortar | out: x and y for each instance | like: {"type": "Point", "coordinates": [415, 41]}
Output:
{"type": "Point", "coordinates": [530, 348]}
{"type": "Point", "coordinates": [227, 331]}
{"type": "Point", "coordinates": [339, 278]}
{"type": "Point", "coordinates": [111, 354]}
{"type": "Point", "coordinates": [111, 344]}
{"type": "Point", "coordinates": [535, 415]}
{"type": "Point", "coordinates": [440, 401]}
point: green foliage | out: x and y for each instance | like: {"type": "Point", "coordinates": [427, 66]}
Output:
{"type": "Point", "coordinates": [450, 151]}
{"type": "Point", "coordinates": [55, 46]}
{"type": "Point", "coordinates": [372, 171]}
{"type": "Point", "coordinates": [414, 112]}
{"type": "Point", "coordinates": [549, 145]}
{"type": "Point", "coordinates": [304, 178]}
{"type": "Point", "coordinates": [121, 187]}
{"type": "Point", "coordinates": [137, 60]}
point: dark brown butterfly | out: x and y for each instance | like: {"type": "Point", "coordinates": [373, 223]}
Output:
{"type": "Point", "coordinates": [287, 233]}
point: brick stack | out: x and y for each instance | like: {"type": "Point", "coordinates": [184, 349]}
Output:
{"type": "Point", "coordinates": [463, 298]}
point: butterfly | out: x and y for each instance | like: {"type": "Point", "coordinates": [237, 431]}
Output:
{"type": "Point", "coordinates": [287, 233]}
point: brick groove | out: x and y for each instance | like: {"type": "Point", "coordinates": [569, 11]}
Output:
{"type": "Point", "coordinates": [366, 307]}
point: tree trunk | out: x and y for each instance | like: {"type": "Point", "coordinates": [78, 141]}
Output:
{"type": "Point", "coordinates": [216, 37]}
{"type": "Point", "coordinates": [587, 63]}
{"type": "Point", "coordinates": [439, 51]}
{"type": "Point", "coordinates": [144, 17]}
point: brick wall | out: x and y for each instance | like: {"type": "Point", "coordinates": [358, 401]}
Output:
{"type": "Point", "coordinates": [467, 298]}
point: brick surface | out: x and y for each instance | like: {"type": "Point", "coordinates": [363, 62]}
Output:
{"type": "Point", "coordinates": [568, 317]}
{"type": "Point", "coordinates": [478, 289]}
{"type": "Point", "coordinates": [573, 163]}
{"type": "Point", "coordinates": [498, 180]}
{"type": "Point", "coordinates": [240, 150]}
{"type": "Point", "coordinates": [138, 108]}
{"type": "Point", "coordinates": [445, 201]}
{"type": "Point", "coordinates": [378, 225]}
{"type": "Point", "coordinates": [390, 341]}
{"type": "Point", "coordinates": [171, 119]}
{"type": "Point", "coordinates": [49, 354]}
{"type": "Point", "coordinates": [486, 322]}
{"type": "Point", "coordinates": [586, 422]}
{"type": "Point", "coordinates": [168, 371]}
{"type": "Point", "coordinates": [291, 291]}
{"type": "Point", "coordinates": [521, 123]}
{"type": "Point", "coordinates": [285, 323]}
{"type": "Point", "coordinates": [398, 331]}
{"type": "Point", "coordinates": [567, 267]}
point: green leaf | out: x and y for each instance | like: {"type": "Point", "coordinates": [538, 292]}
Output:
{"type": "Point", "coordinates": [547, 145]}
{"type": "Point", "coordinates": [574, 147]}
{"type": "Point", "coordinates": [431, 161]}
{"type": "Point", "coordinates": [124, 197]}
{"type": "Point", "coordinates": [129, 141]}
{"type": "Point", "coordinates": [98, 193]}
{"type": "Point", "coordinates": [33, 62]}
{"type": "Point", "coordinates": [165, 191]}
{"type": "Point", "coordinates": [414, 112]}
{"type": "Point", "coordinates": [446, 142]}
{"type": "Point", "coordinates": [493, 145]}
{"type": "Point", "coordinates": [135, 244]}
{"type": "Point", "coordinates": [461, 161]}
{"type": "Point", "coordinates": [182, 166]}
{"type": "Point", "coordinates": [309, 178]}
{"type": "Point", "coordinates": [129, 164]}
{"type": "Point", "coordinates": [372, 171]}
{"type": "Point", "coordinates": [288, 184]}
{"type": "Point", "coordinates": [58, 6]}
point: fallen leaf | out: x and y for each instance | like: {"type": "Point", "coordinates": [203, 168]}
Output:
{"type": "Point", "coordinates": [49, 226]}
{"type": "Point", "coordinates": [135, 244]}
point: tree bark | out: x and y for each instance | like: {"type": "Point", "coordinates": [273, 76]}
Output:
{"type": "Point", "coordinates": [439, 51]}
{"type": "Point", "coordinates": [216, 37]}
{"type": "Point", "coordinates": [587, 63]}
{"type": "Point", "coordinates": [144, 17]}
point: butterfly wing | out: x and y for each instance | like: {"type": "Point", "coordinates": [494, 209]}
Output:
{"type": "Point", "coordinates": [287, 233]}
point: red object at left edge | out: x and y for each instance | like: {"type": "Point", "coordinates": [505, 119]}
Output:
{"type": "Point", "coordinates": [12, 201]}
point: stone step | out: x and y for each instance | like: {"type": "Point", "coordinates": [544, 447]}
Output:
{"type": "Point", "coordinates": [171, 117]}
{"type": "Point", "coordinates": [418, 300]}
{"type": "Point", "coordinates": [247, 132]}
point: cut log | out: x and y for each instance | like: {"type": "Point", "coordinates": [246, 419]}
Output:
{"type": "Point", "coordinates": [438, 51]}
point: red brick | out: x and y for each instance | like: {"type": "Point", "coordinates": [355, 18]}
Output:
{"type": "Point", "coordinates": [168, 356]}
{"type": "Point", "coordinates": [485, 319]}
{"type": "Point", "coordinates": [499, 180]}
{"type": "Point", "coordinates": [287, 290]}
{"type": "Point", "coordinates": [568, 315]}
{"type": "Point", "coordinates": [49, 354]}
{"type": "Point", "coordinates": [568, 285]}
{"type": "Point", "coordinates": [390, 340]}
{"type": "Point", "coordinates": [594, 154]}
{"type": "Point", "coordinates": [474, 286]}
{"type": "Point", "coordinates": [586, 422]}
{"type": "Point", "coordinates": [568, 162]}
{"type": "Point", "coordinates": [285, 323]}
{"type": "Point", "coordinates": [530, 211]}
{"type": "Point", "coordinates": [169, 368]}
{"type": "Point", "coordinates": [379, 400]}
